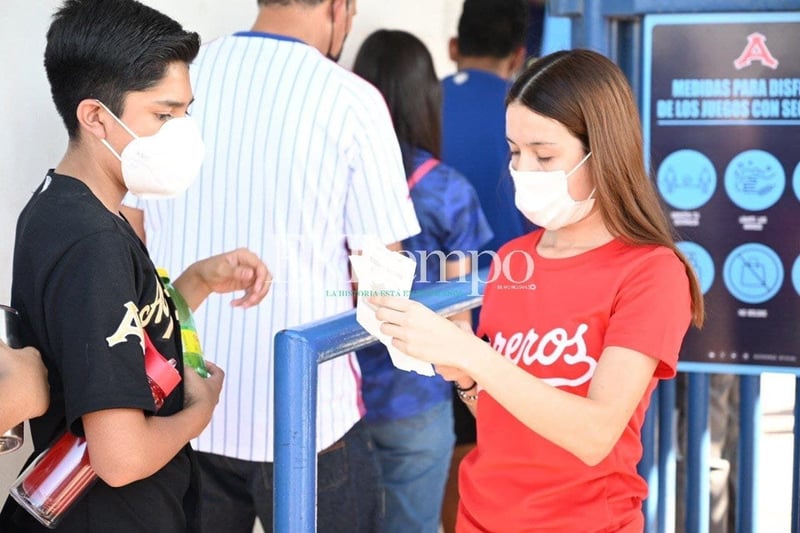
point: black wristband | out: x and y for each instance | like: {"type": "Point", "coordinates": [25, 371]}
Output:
{"type": "Point", "coordinates": [459, 389]}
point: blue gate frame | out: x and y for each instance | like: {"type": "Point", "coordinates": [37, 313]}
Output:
{"type": "Point", "coordinates": [297, 354]}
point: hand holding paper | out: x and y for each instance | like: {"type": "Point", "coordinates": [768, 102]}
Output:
{"type": "Point", "coordinates": [381, 271]}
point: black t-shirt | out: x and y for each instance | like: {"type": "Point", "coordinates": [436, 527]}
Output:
{"type": "Point", "coordinates": [85, 286]}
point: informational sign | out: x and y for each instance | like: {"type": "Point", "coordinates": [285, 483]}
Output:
{"type": "Point", "coordinates": [721, 113]}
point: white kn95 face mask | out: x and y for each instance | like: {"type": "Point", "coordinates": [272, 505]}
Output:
{"type": "Point", "coordinates": [164, 164]}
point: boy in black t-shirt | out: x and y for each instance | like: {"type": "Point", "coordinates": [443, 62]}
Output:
{"type": "Point", "coordinates": [83, 282]}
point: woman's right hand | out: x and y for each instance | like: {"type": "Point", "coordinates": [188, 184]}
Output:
{"type": "Point", "coordinates": [203, 393]}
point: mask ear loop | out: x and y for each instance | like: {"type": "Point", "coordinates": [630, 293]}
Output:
{"type": "Point", "coordinates": [579, 165]}
{"type": "Point", "coordinates": [108, 145]}
{"type": "Point", "coordinates": [119, 121]}
{"type": "Point", "coordinates": [124, 126]}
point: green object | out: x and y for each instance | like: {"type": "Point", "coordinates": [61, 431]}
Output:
{"type": "Point", "coordinates": [192, 352]}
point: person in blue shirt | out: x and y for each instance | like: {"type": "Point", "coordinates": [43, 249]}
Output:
{"type": "Point", "coordinates": [409, 416]}
{"type": "Point", "coordinates": [488, 51]}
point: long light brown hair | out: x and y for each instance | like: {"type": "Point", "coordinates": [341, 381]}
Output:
{"type": "Point", "coordinates": [590, 96]}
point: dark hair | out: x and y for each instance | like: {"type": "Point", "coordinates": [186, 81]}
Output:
{"type": "Point", "coordinates": [492, 28]}
{"type": "Point", "coordinates": [588, 94]}
{"type": "Point", "coordinates": [289, 2]}
{"type": "Point", "coordinates": [104, 49]}
{"type": "Point", "coordinates": [401, 68]}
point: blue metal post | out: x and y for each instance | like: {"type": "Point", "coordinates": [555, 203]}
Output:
{"type": "Point", "coordinates": [297, 354]}
{"type": "Point", "coordinates": [667, 460]}
{"type": "Point", "coordinates": [749, 438]}
{"type": "Point", "coordinates": [698, 450]}
{"type": "Point", "coordinates": [589, 24]}
{"type": "Point", "coordinates": [595, 28]}
{"type": "Point", "coordinates": [295, 434]}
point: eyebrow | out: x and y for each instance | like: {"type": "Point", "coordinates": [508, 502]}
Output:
{"type": "Point", "coordinates": [174, 103]}
{"type": "Point", "coordinates": [534, 143]}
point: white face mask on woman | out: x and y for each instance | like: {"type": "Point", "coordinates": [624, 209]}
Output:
{"type": "Point", "coordinates": [164, 164]}
{"type": "Point", "coordinates": [543, 197]}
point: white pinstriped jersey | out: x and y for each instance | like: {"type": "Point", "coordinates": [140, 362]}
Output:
{"type": "Point", "coordinates": [301, 160]}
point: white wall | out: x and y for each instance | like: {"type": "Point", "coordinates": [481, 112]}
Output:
{"type": "Point", "coordinates": [32, 138]}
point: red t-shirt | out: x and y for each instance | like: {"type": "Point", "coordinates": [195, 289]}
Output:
{"type": "Point", "coordinates": [553, 318]}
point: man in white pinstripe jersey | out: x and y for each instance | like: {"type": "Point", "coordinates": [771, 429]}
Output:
{"type": "Point", "coordinates": [302, 163]}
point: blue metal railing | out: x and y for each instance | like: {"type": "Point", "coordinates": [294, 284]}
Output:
{"type": "Point", "coordinates": [658, 463]}
{"type": "Point", "coordinates": [299, 351]}
{"type": "Point", "coordinates": [297, 354]}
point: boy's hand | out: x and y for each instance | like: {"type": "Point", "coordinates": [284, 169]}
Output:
{"type": "Point", "coordinates": [236, 270]}
{"type": "Point", "coordinates": [203, 393]}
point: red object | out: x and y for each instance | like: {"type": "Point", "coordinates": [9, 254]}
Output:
{"type": "Point", "coordinates": [62, 474]}
{"type": "Point", "coordinates": [161, 374]}
{"type": "Point", "coordinates": [420, 173]}
{"type": "Point", "coordinates": [59, 477]}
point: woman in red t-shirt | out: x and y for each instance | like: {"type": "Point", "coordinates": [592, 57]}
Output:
{"type": "Point", "coordinates": [582, 316]}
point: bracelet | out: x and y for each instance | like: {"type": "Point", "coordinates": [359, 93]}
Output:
{"type": "Point", "coordinates": [459, 389]}
{"type": "Point", "coordinates": [464, 393]}
{"type": "Point", "coordinates": [465, 397]}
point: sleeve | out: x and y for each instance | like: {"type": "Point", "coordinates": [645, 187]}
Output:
{"type": "Point", "coordinates": [94, 326]}
{"type": "Point", "coordinates": [652, 310]}
{"type": "Point", "coordinates": [377, 201]}
{"type": "Point", "coordinates": [467, 227]}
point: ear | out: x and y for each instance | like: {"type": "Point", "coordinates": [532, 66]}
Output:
{"type": "Point", "coordinates": [453, 49]}
{"type": "Point", "coordinates": [92, 118]}
{"type": "Point", "coordinates": [517, 61]}
{"type": "Point", "coordinates": [338, 10]}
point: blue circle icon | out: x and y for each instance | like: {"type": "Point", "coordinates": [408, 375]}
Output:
{"type": "Point", "coordinates": [753, 273]}
{"type": "Point", "coordinates": [686, 179]}
{"type": "Point", "coordinates": [796, 181]}
{"type": "Point", "coordinates": [796, 274]}
{"type": "Point", "coordinates": [701, 261]}
{"type": "Point", "coordinates": [755, 180]}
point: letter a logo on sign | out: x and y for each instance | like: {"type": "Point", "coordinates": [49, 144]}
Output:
{"type": "Point", "coordinates": [756, 50]}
